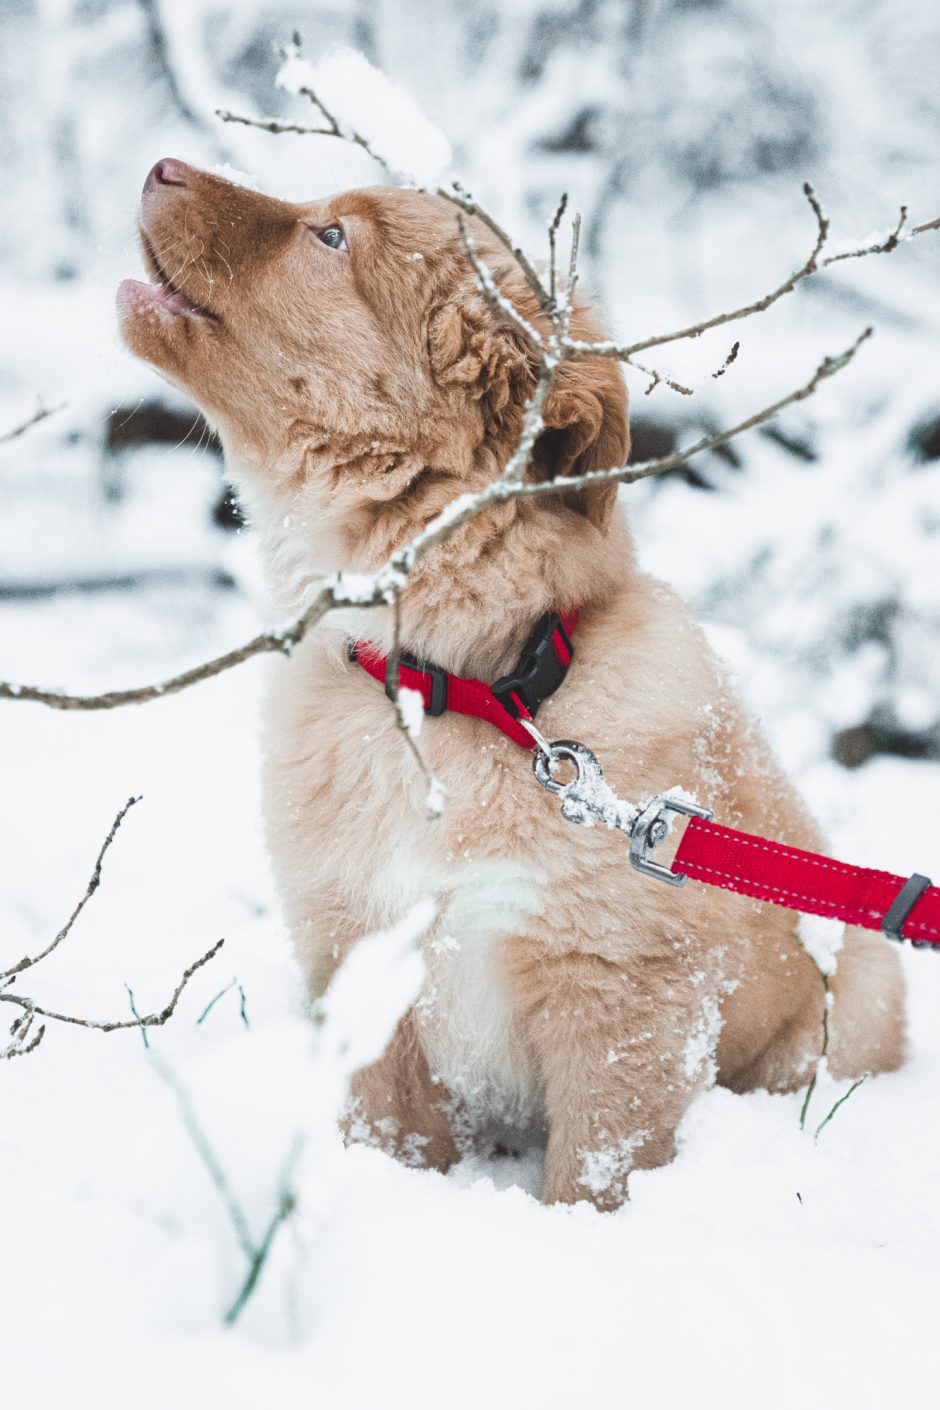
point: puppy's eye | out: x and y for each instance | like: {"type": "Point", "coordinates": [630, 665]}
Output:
{"type": "Point", "coordinates": [333, 236]}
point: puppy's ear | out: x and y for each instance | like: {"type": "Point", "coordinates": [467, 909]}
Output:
{"type": "Point", "coordinates": [586, 414]}
{"type": "Point", "coordinates": [470, 347]}
{"type": "Point", "coordinates": [585, 429]}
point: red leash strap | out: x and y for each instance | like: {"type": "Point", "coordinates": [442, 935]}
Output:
{"type": "Point", "coordinates": [803, 881]}
{"type": "Point", "coordinates": [708, 852]}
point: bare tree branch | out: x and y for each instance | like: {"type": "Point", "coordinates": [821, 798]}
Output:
{"type": "Point", "coordinates": [491, 290]}
{"type": "Point", "coordinates": [883, 247]}
{"type": "Point", "coordinates": [552, 234]}
{"type": "Point", "coordinates": [17, 1047]}
{"type": "Point", "coordinates": [150, 1020]}
{"type": "Point", "coordinates": [374, 589]}
{"type": "Point", "coordinates": [40, 414]}
{"type": "Point", "coordinates": [274, 124]}
{"type": "Point", "coordinates": [459, 197]}
{"type": "Point", "coordinates": [546, 296]}
{"type": "Point", "coordinates": [660, 379]}
{"type": "Point", "coordinates": [28, 961]}
{"type": "Point", "coordinates": [282, 641]}
{"type": "Point", "coordinates": [22, 1039]}
{"type": "Point", "coordinates": [386, 585]}
{"type": "Point", "coordinates": [811, 266]}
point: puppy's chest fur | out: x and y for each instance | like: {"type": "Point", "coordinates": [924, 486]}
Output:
{"type": "Point", "coordinates": [464, 1013]}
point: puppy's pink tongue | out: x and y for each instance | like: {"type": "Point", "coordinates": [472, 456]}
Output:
{"type": "Point", "coordinates": [133, 295]}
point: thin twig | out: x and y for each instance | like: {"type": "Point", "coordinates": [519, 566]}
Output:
{"type": "Point", "coordinates": [695, 330]}
{"type": "Point", "coordinates": [811, 266]}
{"type": "Point", "coordinates": [572, 268]}
{"type": "Point", "coordinates": [258, 645]}
{"type": "Point", "coordinates": [732, 357]}
{"type": "Point", "coordinates": [491, 290]}
{"type": "Point", "coordinates": [552, 233]}
{"type": "Point", "coordinates": [29, 960]}
{"type": "Point", "coordinates": [660, 378]}
{"type": "Point", "coordinates": [151, 1020]}
{"type": "Point", "coordinates": [460, 198]}
{"type": "Point", "coordinates": [133, 1005]}
{"type": "Point", "coordinates": [40, 414]}
{"type": "Point", "coordinates": [19, 1047]}
{"type": "Point", "coordinates": [274, 125]}
{"type": "Point", "coordinates": [546, 296]}
{"type": "Point", "coordinates": [882, 247]}
{"type": "Point", "coordinates": [392, 672]}
{"type": "Point", "coordinates": [804, 1109]}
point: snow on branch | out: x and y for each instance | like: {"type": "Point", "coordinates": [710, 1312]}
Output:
{"type": "Point", "coordinates": [387, 123]}
{"type": "Point", "coordinates": [24, 1037]}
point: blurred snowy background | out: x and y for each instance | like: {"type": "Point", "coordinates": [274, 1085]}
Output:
{"type": "Point", "coordinates": [683, 130]}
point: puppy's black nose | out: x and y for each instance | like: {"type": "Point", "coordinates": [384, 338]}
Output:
{"type": "Point", "coordinates": [167, 172]}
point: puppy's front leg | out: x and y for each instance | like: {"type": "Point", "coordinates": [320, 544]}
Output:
{"type": "Point", "coordinates": [622, 1049]}
{"type": "Point", "coordinates": [397, 1105]}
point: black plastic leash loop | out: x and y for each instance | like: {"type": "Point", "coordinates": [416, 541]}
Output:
{"type": "Point", "coordinates": [901, 907]}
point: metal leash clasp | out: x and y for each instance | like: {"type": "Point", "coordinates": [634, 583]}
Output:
{"type": "Point", "coordinates": [651, 827]}
{"type": "Point", "coordinates": [589, 799]}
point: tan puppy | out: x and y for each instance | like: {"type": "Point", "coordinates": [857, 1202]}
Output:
{"type": "Point", "coordinates": [359, 383]}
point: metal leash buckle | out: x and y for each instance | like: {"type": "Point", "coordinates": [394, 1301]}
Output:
{"type": "Point", "coordinates": [588, 799]}
{"type": "Point", "coordinates": [652, 826]}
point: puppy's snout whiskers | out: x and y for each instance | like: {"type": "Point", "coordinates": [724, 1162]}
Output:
{"type": "Point", "coordinates": [216, 253]}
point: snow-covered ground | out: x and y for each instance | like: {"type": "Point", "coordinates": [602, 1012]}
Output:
{"type": "Point", "coordinates": [762, 1267]}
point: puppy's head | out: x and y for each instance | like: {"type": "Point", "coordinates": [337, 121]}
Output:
{"type": "Point", "coordinates": [347, 339]}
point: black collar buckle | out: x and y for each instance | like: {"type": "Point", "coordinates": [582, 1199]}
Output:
{"type": "Point", "coordinates": [438, 702]}
{"type": "Point", "coordinates": [540, 671]}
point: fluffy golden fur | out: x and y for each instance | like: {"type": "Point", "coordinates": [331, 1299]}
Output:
{"type": "Point", "coordinates": [357, 390]}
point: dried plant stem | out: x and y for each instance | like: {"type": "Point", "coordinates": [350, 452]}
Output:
{"type": "Point", "coordinates": [842, 1100]}
{"type": "Point", "coordinates": [804, 1109]}
{"type": "Point", "coordinates": [255, 1252]}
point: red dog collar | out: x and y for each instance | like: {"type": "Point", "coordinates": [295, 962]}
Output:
{"type": "Point", "coordinates": [542, 667]}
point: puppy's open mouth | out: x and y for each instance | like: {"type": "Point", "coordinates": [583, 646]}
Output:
{"type": "Point", "coordinates": [163, 294]}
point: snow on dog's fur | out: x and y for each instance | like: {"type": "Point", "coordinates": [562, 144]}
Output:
{"type": "Point", "coordinates": [360, 382]}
